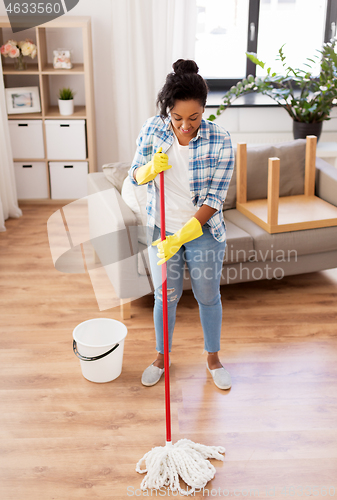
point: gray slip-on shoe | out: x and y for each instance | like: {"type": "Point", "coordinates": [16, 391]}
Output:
{"type": "Point", "coordinates": [221, 377]}
{"type": "Point", "coordinates": [152, 374]}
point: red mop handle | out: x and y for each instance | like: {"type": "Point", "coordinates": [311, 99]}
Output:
{"type": "Point", "coordinates": [165, 315]}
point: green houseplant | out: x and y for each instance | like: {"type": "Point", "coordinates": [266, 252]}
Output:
{"type": "Point", "coordinates": [307, 98]}
{"type": "Point", "coordinates": [66, 101]}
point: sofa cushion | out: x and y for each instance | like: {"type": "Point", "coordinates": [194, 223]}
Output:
{"type": "Point", "coordinates": [284, 245]}
{"type": "Point", "coordinates": [143, 260]}
{"type": "Point", "coordinates": [116, 173]}
{"type": "Point", "coordinates": [135, 198]}
{"type": "Point", "coordinates": [292, 167]}
{"type": "Point", "coordinates": [239, 243]}
{"type": "Point", "coordinates": [96, 182]}
{"type": "Point", "coordinates": [239, 246]}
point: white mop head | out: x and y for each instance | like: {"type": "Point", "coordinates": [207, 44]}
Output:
{"type": "Point", "coordinates": [164, 465]}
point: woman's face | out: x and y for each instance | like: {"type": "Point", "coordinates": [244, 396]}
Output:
{"type": "Point", "coordinates": [186, 118]}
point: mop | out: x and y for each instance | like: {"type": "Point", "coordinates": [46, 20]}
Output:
{"type": "Point", "coordinates": [185, 459]}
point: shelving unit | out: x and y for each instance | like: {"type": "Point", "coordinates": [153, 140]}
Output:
{"type": "Point", "coordinates": [43, 70]}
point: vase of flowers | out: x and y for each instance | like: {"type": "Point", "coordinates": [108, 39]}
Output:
{"type": "Point", "coordinates": [66, 101]}
{"type": "Point", "coordinates": [18, 50]}
{"type": "Point", "coordinates": [307, 98]}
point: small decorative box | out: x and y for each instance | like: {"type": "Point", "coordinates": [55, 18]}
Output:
{"type": "Point", "coordinates": [62, 59]}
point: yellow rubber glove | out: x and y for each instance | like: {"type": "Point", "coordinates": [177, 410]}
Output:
{"type": "Point", "coordinates": [168, 247]}
{"type": "Point", "coordinates": [158, 164]}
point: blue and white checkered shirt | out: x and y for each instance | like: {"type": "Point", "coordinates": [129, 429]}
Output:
{"type": "Point", "coordinates": [211, 163]}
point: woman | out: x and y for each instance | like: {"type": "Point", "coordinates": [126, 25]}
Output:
{"type": "Point", "coordinates": [197, 158]}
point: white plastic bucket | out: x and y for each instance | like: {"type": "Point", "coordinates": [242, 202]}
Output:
{"type": "Point", "coordinates": [99, 344]}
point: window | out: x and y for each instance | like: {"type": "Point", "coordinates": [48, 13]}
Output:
{"type": "Point", "coordinates": [220, 45]}
{"type": "Point", "coordinates": [228, 29]}
{"type": "Point", "coordinates": [305, 26]}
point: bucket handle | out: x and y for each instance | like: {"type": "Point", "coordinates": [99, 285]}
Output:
{"type": "Point", "coordinates": [94, 358]}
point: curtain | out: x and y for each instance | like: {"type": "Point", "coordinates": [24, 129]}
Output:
{"type": "Point", "coordinates": [8, 197]}
{"type": "Point", "coordinates": [147, 37]}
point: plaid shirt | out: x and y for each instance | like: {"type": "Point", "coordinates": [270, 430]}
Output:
{"type": "Point", "coordinates": [211, 163]}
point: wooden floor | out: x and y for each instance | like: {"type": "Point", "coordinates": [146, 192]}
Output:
{"type": "Point", "coordinates": [62, 437]}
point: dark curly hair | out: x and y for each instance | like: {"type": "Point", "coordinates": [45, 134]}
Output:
{"type": "Point", "coordinates": [183, 84]}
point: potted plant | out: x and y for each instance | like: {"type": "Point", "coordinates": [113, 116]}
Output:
{"type": "Point", "coordinates": [307, 98]}
{"type": "Point", "coordinates": [66, 101]}
{"type": "Point", "coordinates": [17, 51]}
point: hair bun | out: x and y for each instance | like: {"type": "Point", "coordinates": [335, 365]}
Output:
{"type": "Point", "coordinates": [185, 66]}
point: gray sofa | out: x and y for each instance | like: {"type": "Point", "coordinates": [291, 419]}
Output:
{"type": "Point", "coordinates": [251, 253]}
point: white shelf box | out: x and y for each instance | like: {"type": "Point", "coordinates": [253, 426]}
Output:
{"type": "Point", "coordinates": [66, 139]}
{"type": "Point", "coordinates": [31, 180]}
{"type": "Point", "coordinates": [26, 138]}
{"type": "Point", "coordinates": [68, 180]}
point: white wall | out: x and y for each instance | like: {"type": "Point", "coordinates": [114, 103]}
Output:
{"type": "Point", "coordinates": [265, 125]}
{"type": "Point", "coordinates": [245, 124]}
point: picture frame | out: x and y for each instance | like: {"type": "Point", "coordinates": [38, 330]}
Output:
{"type": "Point", "coordinates": [62, 59]}
{"type": "Point", "coordinates": [21, 100]}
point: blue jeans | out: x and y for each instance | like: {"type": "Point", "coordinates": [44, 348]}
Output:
{"type": "Point", "coordinates": [204, 257]}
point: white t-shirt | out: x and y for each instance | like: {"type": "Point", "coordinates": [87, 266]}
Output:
{"type": "Point", "coordinates": [178, 204]}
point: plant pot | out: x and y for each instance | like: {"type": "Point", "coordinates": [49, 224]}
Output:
{"type": "Point", "coordinates": [66, 107]}
{"type": "Point", "coordinates": [301, 129]}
